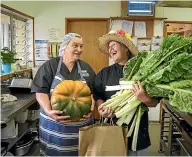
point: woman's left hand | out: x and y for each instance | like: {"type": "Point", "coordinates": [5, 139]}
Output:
{"type": "Point", "coordinates": [141, 95]}
{"type": "Point", "coordinates": [139, 92]}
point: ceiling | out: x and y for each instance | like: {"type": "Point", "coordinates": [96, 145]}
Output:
{"type": "Point", "coordinates": [179, 4]}
{"type": "Point", "coordinates": [32, 8]}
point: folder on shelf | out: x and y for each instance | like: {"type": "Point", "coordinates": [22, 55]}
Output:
{"type": "Point", "coordinates": [54, 50]}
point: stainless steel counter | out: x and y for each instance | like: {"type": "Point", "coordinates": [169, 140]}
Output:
{"type": "Point", "coordinates": [10, 109]}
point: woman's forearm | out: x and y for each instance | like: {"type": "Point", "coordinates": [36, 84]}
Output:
{"type": "Point", "coordinates": [43, 100]}
{"type": "Point", "coordinates": [151, 102]}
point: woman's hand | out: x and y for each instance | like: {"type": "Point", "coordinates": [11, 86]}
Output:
{"type": "Point", "coordinates": [85, 117]}
{"type": "Point", "coordinates": [43, 100]}
{"type": "Point", "coordinates": [141, 95]}
{"type": "Point", "coordinates": [106, 113]}
{"type": "Point", "coordinates": [56, 115]}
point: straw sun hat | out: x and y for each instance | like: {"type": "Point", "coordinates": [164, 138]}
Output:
{"type": "Point", "coordinates": [119, 36]}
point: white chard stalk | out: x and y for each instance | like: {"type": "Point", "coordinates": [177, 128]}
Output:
{"type": "Point", "coordinates": [126, 107]}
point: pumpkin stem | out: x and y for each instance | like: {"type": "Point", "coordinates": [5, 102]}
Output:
{"type": "Point", "coordinates": [73, 98]}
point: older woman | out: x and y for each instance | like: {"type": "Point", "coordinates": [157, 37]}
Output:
{"type": "Point", "coordinates": [58, 135]}
{"type": "Point", "coordinates": [119, 46]}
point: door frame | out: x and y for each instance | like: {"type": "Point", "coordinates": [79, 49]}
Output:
{"type": "Point", "coordinates": [67, 20]}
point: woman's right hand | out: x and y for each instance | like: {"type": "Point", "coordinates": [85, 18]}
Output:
{"type": "Point", "coordinates": [56, 115]}
{"type": "Point", "coordinates": [106, 113]}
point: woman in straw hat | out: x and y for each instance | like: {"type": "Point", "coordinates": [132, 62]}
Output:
{"type": "Point", "coordinates": [120, 48]}
{"type": "Point", "coordinates": [58, 135]}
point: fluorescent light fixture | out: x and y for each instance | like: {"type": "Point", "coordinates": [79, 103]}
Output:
{"type": "Point", "coordinates": [141, 11]}
{"type": "Point", "coordinates": [136, 2]}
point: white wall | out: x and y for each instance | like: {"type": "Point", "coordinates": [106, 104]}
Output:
{"type": "Point", "coordinates": [174, 14]}
{"type": "Point", "coordinates": [58, 13]}
{"type": "Point", "coordinates": [54, 17]}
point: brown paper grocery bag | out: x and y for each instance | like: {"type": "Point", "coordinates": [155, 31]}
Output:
{"type": "Point", "coordinates": [102, 140]}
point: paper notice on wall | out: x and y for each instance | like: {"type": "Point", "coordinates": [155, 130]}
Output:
{"type": "Point", "coordinates": [41, 50]}
{"type": "Point", "coordinates": [127, 26]}
{"type": "Point", "coordinates": [116, 25]}
{"type": "Point", "coordinates": [158, 28]}
{"type": "Point", "coordinates": [140, 29]}
{"type": "Point", "coordinates": [55, 35]}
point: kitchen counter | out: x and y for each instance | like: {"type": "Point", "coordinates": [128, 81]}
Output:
{"type": "Point", "coordinates": [10, 109]}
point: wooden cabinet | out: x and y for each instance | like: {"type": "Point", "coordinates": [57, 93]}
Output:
{"type": "Point", "coordinates": [178, 27]}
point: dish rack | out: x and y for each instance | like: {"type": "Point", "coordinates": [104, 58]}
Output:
{"type": "Point", "coordinates": [170, 132]}
{"type": "Point", "coordinates": [23, 43]}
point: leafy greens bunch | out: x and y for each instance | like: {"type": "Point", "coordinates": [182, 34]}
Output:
{"type": "Point", "coordinates": [165, 73]}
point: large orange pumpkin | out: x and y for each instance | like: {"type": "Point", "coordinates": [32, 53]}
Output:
{"type": "Point", "coordinates": [72, 97]}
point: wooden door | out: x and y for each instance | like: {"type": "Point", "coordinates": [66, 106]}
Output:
{"type": "Point", "coordinates": [90, 30]}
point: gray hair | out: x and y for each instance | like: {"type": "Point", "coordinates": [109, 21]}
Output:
{"type": "Point", "coordinates": [65, 41]}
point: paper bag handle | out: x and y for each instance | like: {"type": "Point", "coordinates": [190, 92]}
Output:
{"type": "Point", "coordinates": [102, 121]}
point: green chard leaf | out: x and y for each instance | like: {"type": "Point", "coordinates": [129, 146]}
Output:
{"type": "Point", "coordinates": [133, 66]}
{"type": "Point", "coordinates": [181, 99]}
{"type": "Point", "coordinates": [163, 56]}
{"type": "Point", "coordinates": [178, 68]}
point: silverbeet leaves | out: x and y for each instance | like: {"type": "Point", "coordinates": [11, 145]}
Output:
{"type": "Point", "coordinates": [163, 68]}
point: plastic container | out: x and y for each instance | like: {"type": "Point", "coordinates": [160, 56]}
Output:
{"type": "Point", "coordinates": [33, 115]}
{"type": "Point", "coordinates": [10, 131]}
{"type": "Point", "coordinates": [22, 117]}
{"type": "Point", "coordinates": [6, 68]}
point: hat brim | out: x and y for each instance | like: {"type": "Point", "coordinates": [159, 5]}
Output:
{"type": "Point", "coordinates": [107, 38]}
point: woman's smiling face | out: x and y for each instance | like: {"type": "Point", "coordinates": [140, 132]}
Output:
{"type": "Point", "coordinates": [117, 51]}
{"type": "Point", "coordinates": [75, 48]}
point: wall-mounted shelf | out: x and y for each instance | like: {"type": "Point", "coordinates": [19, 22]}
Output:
{"type": "Point", "coordinates": [150, 22]}
{"type": "Point", "coordinates": [138, 18]}
{"type": "Point", "coordinates": [176, 32]}
{"type": "Point", "coordinates": [7, 76]}
{"type": "Point", "coordinates": [144, 38]}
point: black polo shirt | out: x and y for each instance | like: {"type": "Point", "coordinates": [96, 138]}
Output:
{"type": "Point", "coordinates": [46, 73]}
{"type": "Point", "coordinates": [110, 76]}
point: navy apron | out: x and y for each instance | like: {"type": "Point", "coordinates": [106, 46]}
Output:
{"type": "Point", "coordinates": [59, 139]}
